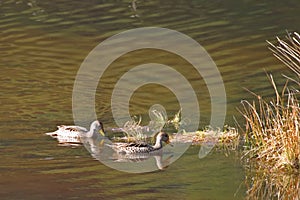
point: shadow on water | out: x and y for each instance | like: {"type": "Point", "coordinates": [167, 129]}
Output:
{"type": "Point", "coordinates": [43, 44]}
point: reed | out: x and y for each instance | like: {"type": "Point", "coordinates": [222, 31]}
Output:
{"type": "Point", "coordinates": [288, 51]}
{"type": "Point", "coordinates": [272, 127]}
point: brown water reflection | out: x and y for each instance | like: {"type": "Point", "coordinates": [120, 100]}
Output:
{"type": "Point", "coordinates": [42, 45]}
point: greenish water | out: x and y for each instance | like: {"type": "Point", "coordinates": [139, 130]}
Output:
{"type": "Point", "coordinates": [43, 44]}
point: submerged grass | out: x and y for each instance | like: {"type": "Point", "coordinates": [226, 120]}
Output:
{"type": "Point", "coordinates": [272, 127]}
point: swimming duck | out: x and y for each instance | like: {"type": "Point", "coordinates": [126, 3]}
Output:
{"type": "Point", "coordinates": [64, 131]}
{"type": "Point", "coordinates": [133, 148]}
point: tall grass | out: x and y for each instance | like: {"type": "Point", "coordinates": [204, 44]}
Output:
{"type": "Point", "coordinates": [272, 127]}
{"type": "Point", "coordinates": [272, 130]}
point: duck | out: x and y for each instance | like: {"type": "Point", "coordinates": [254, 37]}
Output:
{"type": "Point", "coordinates": [73, 131]}
{"type": "Point", "coordinates": [141, 148]}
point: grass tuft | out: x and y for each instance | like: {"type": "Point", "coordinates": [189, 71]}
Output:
{"type": "Point", "coordinates": [272, 127]}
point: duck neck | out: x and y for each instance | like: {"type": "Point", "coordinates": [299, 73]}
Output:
{"type": "Point", "coordinates": [90, 133]}
{"type": "Point", "coordinates": [158, 144]}
{"type": "Point", "coordinates": [93, 129]}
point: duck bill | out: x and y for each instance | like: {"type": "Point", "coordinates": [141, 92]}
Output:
{"type": "Point", "coordinates": [168, 142]}
{"type": "Point", "coordinates": [102, 133]}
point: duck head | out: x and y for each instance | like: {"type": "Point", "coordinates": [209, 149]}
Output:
{"type": "Point", "coordinates": [162, 136]}
{"type": "Point", "coordinates": [97, 126]}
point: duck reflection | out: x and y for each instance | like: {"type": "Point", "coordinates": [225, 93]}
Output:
{"type": "Point", "coordinates": [111, 154]}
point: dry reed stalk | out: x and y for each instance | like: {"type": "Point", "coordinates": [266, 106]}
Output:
{"type": "Point", "coordinates": [288, 51]}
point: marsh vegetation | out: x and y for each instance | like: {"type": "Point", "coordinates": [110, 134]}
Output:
{"type": "Point", "coordinates": [271, 135]}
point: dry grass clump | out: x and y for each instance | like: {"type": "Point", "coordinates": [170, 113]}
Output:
{"type": "Point", "coordinates": [134, 131]}
{"type": "Point", "coordinates": [229, 137]}
{"type": "Point", "coordinates": [272, 131]}
{"type": "Point", "coordinates": [272, 127]}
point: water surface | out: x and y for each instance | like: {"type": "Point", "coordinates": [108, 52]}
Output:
{"type": "Point", "coordinates": [43, 45]}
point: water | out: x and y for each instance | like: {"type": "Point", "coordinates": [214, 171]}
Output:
{"type": "Point", "coordinates": [43, 45]}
